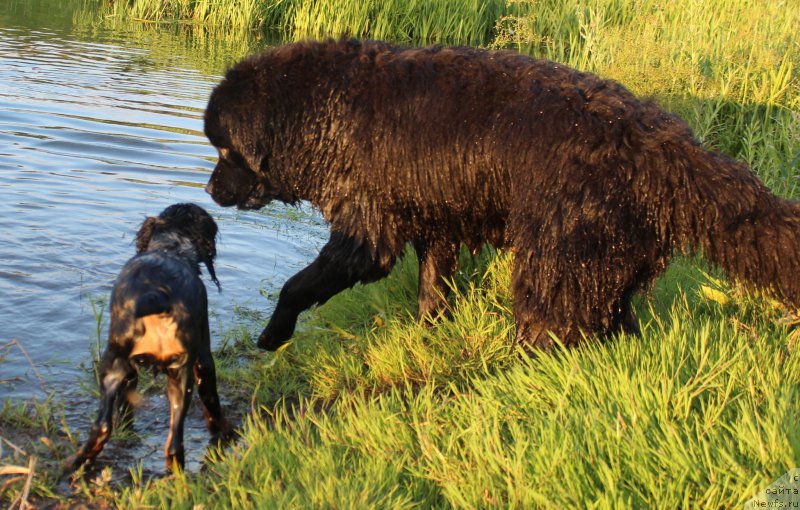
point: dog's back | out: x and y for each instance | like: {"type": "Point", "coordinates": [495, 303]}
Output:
{"type": "Point", "coordinates": [159, 305]}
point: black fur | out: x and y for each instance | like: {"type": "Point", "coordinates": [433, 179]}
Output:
{"type": "Point", "coordinates": [162, 282]}
{"type": "Point", "coordinates": [592, 188]}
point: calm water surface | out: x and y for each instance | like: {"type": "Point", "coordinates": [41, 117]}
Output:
{"type": "Point", "coordinates": [100, 127]}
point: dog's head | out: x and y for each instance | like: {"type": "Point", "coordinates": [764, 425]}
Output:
{"type": "Point", "coordinates": [237, 124]}
{"type": "Point", "coordinates": [188, 221]}
{"type": "Point", "coordinates": [233, 182]}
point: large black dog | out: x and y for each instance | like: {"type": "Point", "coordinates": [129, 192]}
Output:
{"type": "Point", "coordinates": [592, 188]}
{"type": "Point", "coordinates": [159, 320]}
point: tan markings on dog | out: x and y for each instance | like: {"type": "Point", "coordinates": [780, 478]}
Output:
{"type": "Point", "coordinates": [159, 338]}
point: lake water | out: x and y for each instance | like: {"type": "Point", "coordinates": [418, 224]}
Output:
{"type": "Point", "coordinates": [100, 127]}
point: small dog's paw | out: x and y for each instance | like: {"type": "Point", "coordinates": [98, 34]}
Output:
{"type": "Point", "coordinates": [174, 459]}
{"type": "Point", "coordinates": [72, 463]}
{"type": "Point", "coordinates": [226, 434]}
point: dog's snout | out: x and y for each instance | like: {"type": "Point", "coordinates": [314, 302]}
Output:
{"type": "Point", "coordinates": [209, 188]}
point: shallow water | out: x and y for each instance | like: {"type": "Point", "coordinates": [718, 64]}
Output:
{"type": "Point", "coordinates": [100, 127]}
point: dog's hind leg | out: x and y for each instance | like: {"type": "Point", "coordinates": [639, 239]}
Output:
{"type": "Point", "coordinates": [437, 261]}
{"type": "Point", "coordinates": [179, 391]}
{"type": "Point", "coordinates": [342, 263]}
{"type": "Point", "coordinates": [115, 374]}
{"type": "Point", "coordinates": [580, 285]}
{"type": "Point", "coordinates": [205, 376]}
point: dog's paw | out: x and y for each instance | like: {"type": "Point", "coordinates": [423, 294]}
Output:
{"type": "Point", "coordinates": [269, 342]}
{"type": "Point", "coordinates": [73, 463]}
{"type": "Point", "coordinates": [226, 434]}
{"type": "Point", "coordinates": [174, 458]}
{"type": "Point", "coordinates": [279, 330]}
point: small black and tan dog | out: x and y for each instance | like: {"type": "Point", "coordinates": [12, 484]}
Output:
{"type": "Point", "coordinates": [159, 320]}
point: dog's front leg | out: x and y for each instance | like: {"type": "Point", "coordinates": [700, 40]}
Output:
{"type": "Point", "coordinates": [437, 260]}
{"type": "Point", "coordinates": [127, 402]}
{"type": "Point", "coordinates": [115, 374]}
{"type": "Point", "coordinates": [179, 391]}
{"type": "Point", "coordinates": [342, 263]}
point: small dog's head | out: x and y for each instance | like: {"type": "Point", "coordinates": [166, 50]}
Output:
{"type": "Point", "coordinates": [188, 221]}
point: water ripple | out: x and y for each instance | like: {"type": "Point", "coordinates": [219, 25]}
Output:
{"type": "Point", "coordinates": [94, 136]}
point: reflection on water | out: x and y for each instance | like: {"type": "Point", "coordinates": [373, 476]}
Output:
{"type": "Point", "coordinates": [99, 128]}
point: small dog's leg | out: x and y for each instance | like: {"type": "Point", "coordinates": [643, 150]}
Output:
{"type": "Point", "coordinates": [115, 371]}
{"type": "Point", "coordinates": [179, 391]}
{"type": "Point", "coordinates": [436, 263]}
{"type": "Point", "coordinates": [342, 263]}
{"type": "Point", "coordinates": [127, 401]}
{"type": "Point", "coordinates": [205, 376]}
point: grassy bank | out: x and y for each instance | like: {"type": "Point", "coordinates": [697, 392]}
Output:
{"type": "Point", "coordinates": [367, 408]}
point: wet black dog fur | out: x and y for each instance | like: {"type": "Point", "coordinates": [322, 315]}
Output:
{"type": "Point", "coordinates": [593, 189]}
{"type": "Point", "coordinates": [159, 320]}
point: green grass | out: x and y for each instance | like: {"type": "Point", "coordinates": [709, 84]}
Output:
{"type": "Point", "coordinates": [34, 437]}
{"type": "Point", "coordinates": [368, 408]}
{"type": "Point", "coordinates": [418, 21]}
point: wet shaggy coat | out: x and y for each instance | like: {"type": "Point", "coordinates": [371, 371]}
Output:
{"type": "Point", "coordinates": [592, 188]}
{"type": "Point", "coordinates": [159, 320]}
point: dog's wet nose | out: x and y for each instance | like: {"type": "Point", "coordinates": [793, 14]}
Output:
{"type": "Point", "coordinates": [209, 188]}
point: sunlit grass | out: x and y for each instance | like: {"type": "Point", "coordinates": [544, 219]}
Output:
{"type": "Point", "coordinates": [420, 21]}
{"type": "Point", "coordinates": [700, 411]}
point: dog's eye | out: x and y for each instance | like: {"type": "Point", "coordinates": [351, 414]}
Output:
{"type": "Point", "coordinates": [142, 360]}
{"type": "Point", "coordinates": [234, 157]}
{"type": "Point", "coordinates": [175, 361]}
{"type": "Point", "coordinates": [238, 160]}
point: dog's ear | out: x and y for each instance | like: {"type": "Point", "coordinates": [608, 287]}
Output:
{"type": "Point", "coordinates": [201, 228]}
{"type": "Point", "coordinates": [145, 234]}
{"type": "Point", "coordinates": [207, 237]}
{"type": "Point", "coordinates": [211, 273]}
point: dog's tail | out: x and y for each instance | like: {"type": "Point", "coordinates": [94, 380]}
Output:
{"type": "Point", "coordinates": [722, 209]}
{"type": "Point", "coordinates": [152, 303]}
